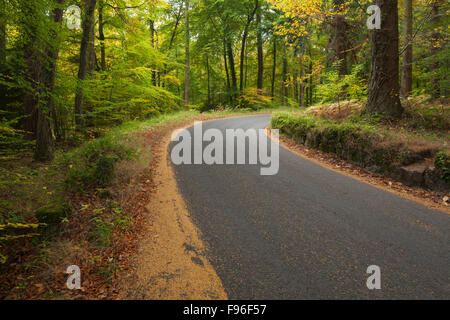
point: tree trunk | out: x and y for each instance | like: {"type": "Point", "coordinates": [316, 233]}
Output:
{"type": "Point", "coordinates": [152, 33]}
{"type": "Point", "coordinates": [2, 35]}
{"type": "Point", "coordinates": [45, 136]}
{"type": "Point", "coordinates": [226, 65]}
{"type": "Point", "coordinates": [187, 39]}
{"type": "Point", "coordinates": [259, 43]}
{"type": "Point", "coordinates": [408, 54]}
{"type": "Point", "coordinates": [383, 94]}
{"type": "Point", "coordinates": [88, 24]}
{"type": "Point", "coordinates": [34, 60]}
{"type": "Point", "coordinates": [241, 66]}
{"type": "Point", "coordinates": [339, 43]}
{"type": "Point", "coordinates": [209, 79]}
{"type": "Point", "coordinates": [244, 42]}
{"type": "Point", "coordinates": [284, 77]}
{"type": "Point", "coordinates": [302, 85]}
{"type": "Point", "coordinates": [92, 57]}
{"type": "Point", "coordinates": [101, 35]}
{"type": "Point", "coordinates": [435, 47]}
{"type": "Point", "coordinates": [274, 67]}
{"type": "Point", "coordinates": [309, 92]}
{"type": "Point", "coordinates": [232, 69]}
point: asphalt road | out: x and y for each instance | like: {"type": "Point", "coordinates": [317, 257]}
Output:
{"type": "Point", "coordinates": [311, 233]}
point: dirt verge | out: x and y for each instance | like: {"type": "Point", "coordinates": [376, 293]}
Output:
{"type": "Point", "coordinates": [170, 263]}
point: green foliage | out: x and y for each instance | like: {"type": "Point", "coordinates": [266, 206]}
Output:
{"type": "Point", "coordinates": [92, 165]}
{"type": "Point", "coordinates": [252, 99]}
{"type": "Point", "coordinates": [101, 235]}
{"type": "Point", "coordinates": [104, 170]}
{"type": "Point", "coordinates": [338, 88]}
{"type": "Point", "coordinates": [442, 164]}
{"type": "Point", "coordinates": [12, 141]}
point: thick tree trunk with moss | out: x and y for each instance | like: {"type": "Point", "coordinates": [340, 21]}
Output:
{"type": "Point", "coordinates": [384, 77]}
{"type": "Point", "coordinates": [88, 24]}
{"type": "Point", "coordinates": [406, 86]}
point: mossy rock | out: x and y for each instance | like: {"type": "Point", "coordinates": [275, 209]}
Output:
{"type": "Point", "coordinates": [53, 213]}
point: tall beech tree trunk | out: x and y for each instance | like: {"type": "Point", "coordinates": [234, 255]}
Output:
{"type": "Point", "coordinates": [45, 136]}
{"type": "Point", "coordinates": [187, 71]}
{"type": "Point", "coordinates": [259, 44]}
{"type": "Point", "coordinates": [384, 76]}
{"type": "Point", "coordinates": [406, 86]}
{"type": "Point", "coordinates": [88, 24]}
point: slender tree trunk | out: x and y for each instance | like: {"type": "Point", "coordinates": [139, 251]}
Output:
{"type": "Point", "coordinates": [309, 92]}
{"type": "Point", "coordinates": [187, 39]}
{"type": "Point", "coordinates": [226, 67]}
{"type": "Point", "coordinates": [241, 66]}
{"type": "Point", "coordinates": [172, 39]}
{"type": "Point", "coordinates": [408, 54]}
{"type": "Point", "coordinates": [284, 77]}
{"type": "Point", "coordinates": [88, 24]}
{"type": "Point", "coordinates": [384, 77]}
{"type": "Point", "coordinates": [101, 35]}
{"type": "Point", "coordinates": [244, 42]}
{"type": "Point", "coordinates": [152, 33]}
{"type": "Point", "coordinates": [2, 34]}
{"type": "Point", "coordinates": [274, 67]}
{"type": "Point", "coordinates": [302, 85]}
{"type": "Point", "coordinates": [435, 48]}
{"type": "Point", "coordinates": [232, 69]}
{"type": "Point", "coordinates": [45, 136]}
{"type": "Point", "coordinates": [246, 66]}
{"type": "Point", "coordinates": [209, 79]}
{"type": "Point", "coordinates": [259, 44]}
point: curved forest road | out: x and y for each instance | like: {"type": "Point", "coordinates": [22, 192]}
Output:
{"type": "Point", "coordinates": [311, 233]}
